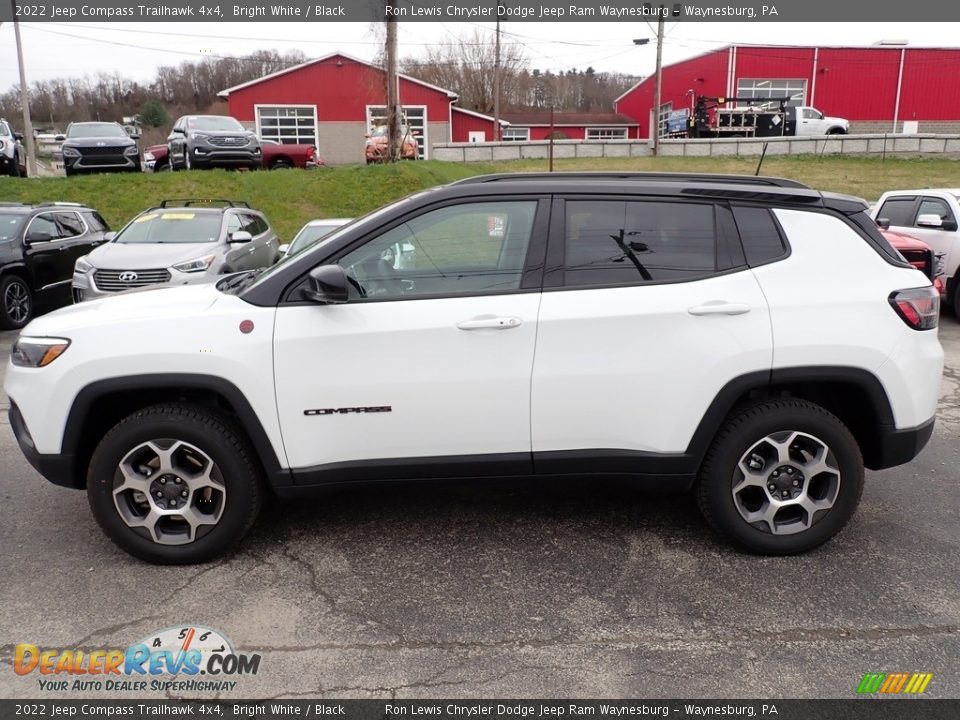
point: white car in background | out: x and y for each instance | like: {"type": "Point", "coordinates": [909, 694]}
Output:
{"type": "Point", "coordinates": [930, 215]}
{"type": "Point", "coordinates": [310, 233]}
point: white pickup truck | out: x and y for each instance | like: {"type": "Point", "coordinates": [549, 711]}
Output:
{"type": "Point", "coordinates": [808, 120]}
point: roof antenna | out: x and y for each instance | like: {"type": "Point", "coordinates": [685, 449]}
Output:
{"type": "Point", "coordinates": [762, 156]}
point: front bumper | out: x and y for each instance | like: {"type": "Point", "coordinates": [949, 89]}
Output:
{"type": "Point", "coordinates": [101, 163]}
{"type": "Point", "coordinates": [210, 156]}
{"type": "Point", "coordinates": [59, 469]}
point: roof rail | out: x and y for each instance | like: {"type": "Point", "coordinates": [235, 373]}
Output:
{"type": "Point", "coordinates": [7, 203]}
{"type": "Point", "coordinates": [58, 203]}
{"type": "Point", "coordinates": [642, 176]}
{"type": "Point", "coordinates": [190, 202]}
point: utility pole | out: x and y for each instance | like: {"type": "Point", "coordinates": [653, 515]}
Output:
{"type": "Point", "coordinates": [656, 125]}
{"type": "Point", "coordinates": [496, 82]}
{"type": "Point", "coordinates": [24, 99]}
{"type": "Point", "coordinates": [393, 111]}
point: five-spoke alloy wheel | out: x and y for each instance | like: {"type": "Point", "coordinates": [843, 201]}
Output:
{"type": "Point", "coordinates": [782, 477]}
{"type": "Point", "coordinates": [174, 484]}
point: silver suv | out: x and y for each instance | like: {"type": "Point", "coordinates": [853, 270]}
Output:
{"type": "Point", "coordinates": [181, 242]}
{"type": "Point", "coordinates": [12, 155]}
{"type": "Point", "coordinates": [205, 141]}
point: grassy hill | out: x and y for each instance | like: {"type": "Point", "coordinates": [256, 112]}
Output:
{"type": "Point", "coordinates": [291, 197]}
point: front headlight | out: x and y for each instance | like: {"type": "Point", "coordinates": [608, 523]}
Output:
{"type": "Point", "coordinates": [148, 157]}
{"type": "Point", "coordinates": [37, 352]}
{"type": "Point", "coordinates": [197, 265]}
{"type": "Point", "coordinates": [71, 152]}
{"type": "Point", "coordinates": [198, 136]}
{"type": "Point", "coordinates": [132, 150]}
{"type": "Point", "coordinates": [82, 266]}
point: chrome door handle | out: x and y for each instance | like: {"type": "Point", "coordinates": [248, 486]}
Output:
{"type": "Point", "coordinates": [719, 308]}
{"type": "Point", "coordinates": [495, 323]}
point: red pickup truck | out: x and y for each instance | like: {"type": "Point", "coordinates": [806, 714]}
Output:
{"type": "Point", "coordinates": [275, 156]}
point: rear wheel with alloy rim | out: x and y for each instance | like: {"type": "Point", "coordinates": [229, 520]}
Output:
{"type": "Point", "coordinates": [16, 303]}
{"type": "Point", "coordinates": [174, 484]}
{"type": "Point", "coordinates": [782, 477]}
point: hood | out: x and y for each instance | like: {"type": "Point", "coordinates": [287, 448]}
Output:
{"type": "Point", "coordinates": [86, 142]}
{"type": "Point", "coordinates": [904, 242]}
{"type": "Point", "coordinates": [148, 256]}
{"type": "Point", "coordinates": [836, 120]}
{"type": "Point", "coordinates": [165, 301]}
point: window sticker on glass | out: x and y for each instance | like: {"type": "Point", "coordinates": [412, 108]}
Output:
{"type": "Point", "coordinates": [178, 216]}
{"type": "Point", "coordinates": [145, 218]}
{"type": "Point", "coordinates": [497, 226]}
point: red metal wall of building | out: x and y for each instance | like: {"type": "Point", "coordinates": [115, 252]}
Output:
{"type": "Point", "coordinates": [341, 89]}
{"type": "Point", "coordinates": [464, 124]}
{"type": "Point", "coordinates": [854, 83]}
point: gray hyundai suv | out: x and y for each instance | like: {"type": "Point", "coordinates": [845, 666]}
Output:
{"type": "Point", "coordinates": [204, 141]}
{"type": "Point", "coordinates": [179, 242]}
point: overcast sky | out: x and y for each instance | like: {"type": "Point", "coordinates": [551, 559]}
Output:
{"type": "Point", "coordinates": [137, 49]}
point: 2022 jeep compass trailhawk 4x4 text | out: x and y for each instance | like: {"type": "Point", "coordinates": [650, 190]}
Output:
{"type": "Point", "coordinates": [690, 330]}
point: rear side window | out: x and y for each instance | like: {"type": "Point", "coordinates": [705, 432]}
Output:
{"type": "Point", "coordinates": [609, 242]}
{"type": "Point", "coordinates": [899, 211]}
{"type": "Point", "coordinates": [70, 224]}
{"type": "Point", "coordinates": [761, 238]}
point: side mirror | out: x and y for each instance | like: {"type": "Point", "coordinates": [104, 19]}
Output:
{"type": "Point", "coordinates": [327, 285]}
{"type": "Point", "coordinates": [178, 131]}
{"type": "Point", "coordinates": [883, 223]}
{"type": "Point", "coordinates": [931, 220]}
{"type": "Point", "coordinates": [18, 136]}
{"type": "Point", "coordinates": [240, 236]}
{"type": "Point", "coordinates": [38, 236]}
{"type": "Point", "coordinates": [60, 138]}
{"type": "Point", "coordinates": [283, 249]}
{"type": "Point", "coordinates": [107, 237]}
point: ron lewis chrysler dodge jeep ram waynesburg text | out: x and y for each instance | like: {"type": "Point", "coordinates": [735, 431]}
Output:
{"type": "Point", "coordinates": [695, 331]}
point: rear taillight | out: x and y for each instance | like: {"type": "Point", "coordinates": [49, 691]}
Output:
{"type": "Point", "coordinates": [919, 307]}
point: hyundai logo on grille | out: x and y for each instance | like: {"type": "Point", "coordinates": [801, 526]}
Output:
{"type": "Point", "coordinates": [128, 276]}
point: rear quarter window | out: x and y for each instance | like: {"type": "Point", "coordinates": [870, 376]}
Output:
{"type": "Point", "coordinates": [760, 235]}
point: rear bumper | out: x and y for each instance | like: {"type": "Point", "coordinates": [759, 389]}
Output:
{"type": "Point", "coordinates": [58, 469]}
{"type": "Point", "coordinates": [901, 446]}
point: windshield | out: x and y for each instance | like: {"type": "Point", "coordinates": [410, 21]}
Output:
{"type": "Point", "coordinates": [381, 131]}
{"type": "Point", "coordinates": [172, 227]}
{"type": "Point", "coordinates": [309, 235]}
{"type": "Point", "coordinates": [10, 224]}
{"type": "Point", "coordinates": [213, 123]}
{"type": "Point", "coordinates": [4, 128]}
{"type": "Point", "coordinates": [92, 130]}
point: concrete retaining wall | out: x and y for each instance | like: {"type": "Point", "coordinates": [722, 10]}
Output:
{"type": "Point", "coordinates": [871, 145]}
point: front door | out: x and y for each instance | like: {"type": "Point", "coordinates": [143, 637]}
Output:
{"type": "Point", "coordinates": [429, 361]}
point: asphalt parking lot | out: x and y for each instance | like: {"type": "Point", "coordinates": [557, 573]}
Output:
{"type": "Point", "coordinates": [523, 589]}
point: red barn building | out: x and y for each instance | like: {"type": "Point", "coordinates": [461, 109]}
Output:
{"type": "Point", "coordinates": [878, 88]}
{"type": "Point", "coordinates": [333, 102]}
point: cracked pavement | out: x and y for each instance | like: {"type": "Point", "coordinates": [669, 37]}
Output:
{"type": "Point", "coordinates": [512, 589]}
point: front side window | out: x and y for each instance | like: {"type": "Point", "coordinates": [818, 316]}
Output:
{"type": "Point", "coordinates": [43, 227]}
{"type": "Point", "coordinates": [611, 242]}
{"type": "Point", "coordinates": [474, 248]}
{"type": "Point", "coordinates": [898, 210]}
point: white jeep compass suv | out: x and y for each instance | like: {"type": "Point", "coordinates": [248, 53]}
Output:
{"type": "Point", "coordinates": [688, 330]}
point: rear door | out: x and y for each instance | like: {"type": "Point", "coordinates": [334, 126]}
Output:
{"type": "Point", "coordinates": [76, 234]}
{"type": "Point", "coordinates": [648, 311]}
{"type": "Point", "coordinates": [46, 255]}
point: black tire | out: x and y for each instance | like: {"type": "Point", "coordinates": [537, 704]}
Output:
{"type": "Point", "coordinates": [16, 302]}
{"type": "Point", "coordinates": [956, 299]}
{"type": "Point", "coordinates": [836, 131]}
{"type": "Point", "coordinates": [15, 168]}
{"type": "Point", "coordinates": [281, 165]}
{"type": "Point", "coordinates": [212, 434]}
{"type": "Point", "coordinates": [743, 431]}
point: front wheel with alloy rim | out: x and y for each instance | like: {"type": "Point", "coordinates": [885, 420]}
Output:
{"type": "Point", "coordinates": [782, 477]}
{"type": "Point", "coordinates": [174, 484]}
{"type": "Point", "coordinates": [16, 303]}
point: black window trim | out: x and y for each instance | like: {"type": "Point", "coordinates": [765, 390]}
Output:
{"type": "Point", "coordinates": [554, 277]}
{"type": "Point", "coordinates": [531, 274]}
{"type": "Point", "coordinates": [83, 222]}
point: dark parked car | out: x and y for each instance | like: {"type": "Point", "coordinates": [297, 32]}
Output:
{"type": "Point", "coordinates": [38, 247]}
{"type": "Point", "coordinates": [98, 147]}
{"type": "Point", "coordinates": [205, 141]}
